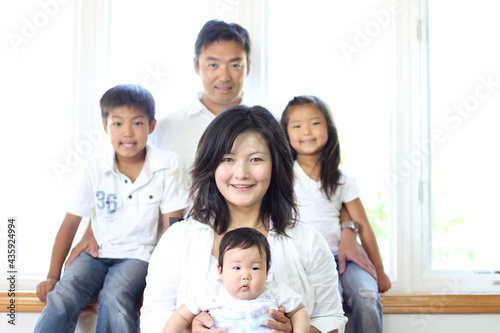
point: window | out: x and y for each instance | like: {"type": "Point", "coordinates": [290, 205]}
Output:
{"type": "Point", "coordinates": [342, 54]}
{"type": "Point", "coordinates": [415, 102]}
{"type": "Point", "coordinates": [461, 76]}
{"type": "Point", "coordinates": [38, 155]}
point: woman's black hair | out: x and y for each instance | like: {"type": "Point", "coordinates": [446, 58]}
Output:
{"type": "Point", "coordinates": [278, 204]}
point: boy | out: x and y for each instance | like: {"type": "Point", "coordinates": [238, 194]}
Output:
{"type": "Point", "coordinates": [241, 303]}
{"type": "Point", "coordinates": [124, 194]}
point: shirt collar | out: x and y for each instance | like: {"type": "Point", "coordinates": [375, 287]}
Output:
{"type": "Point", "coordinates": [197, 106]}
{"type": "Point", "coordinates": [154, 161]}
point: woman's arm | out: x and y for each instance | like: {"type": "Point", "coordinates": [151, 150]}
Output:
{"type": "Point", "coordinates": [369, 242]}
{"type": "Point", "coordinates": [163, 281]}
{"type": "Point", "coordinates": [319, 266]}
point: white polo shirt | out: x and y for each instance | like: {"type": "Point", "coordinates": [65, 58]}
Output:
{"type": "Point", "coordinates": [316, 210]}
{"type": "Point", "coordinates": [125, 215]}
{"type": "Point", "coordinates": [181, 131]}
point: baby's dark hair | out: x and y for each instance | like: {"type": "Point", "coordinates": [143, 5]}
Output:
{"type": "Point", "coordinates": [131, 95]}
{"type": "Point", "coordinates": [244, 238]}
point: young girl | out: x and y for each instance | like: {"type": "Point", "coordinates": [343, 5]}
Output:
{"type": "Point", "coordinates": [321, 189]}
{"type": "Point", "coordinates": [241, 299]}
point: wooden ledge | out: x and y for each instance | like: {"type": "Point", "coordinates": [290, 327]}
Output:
{"type": "Point", "coordinates": [393, 303]}
{"type": "Point", "coordinates": [440, 303]}
{"type": "Point", "coordinates": [29, 302]}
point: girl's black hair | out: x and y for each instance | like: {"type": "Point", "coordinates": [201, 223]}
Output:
{"type": "Point", "coordinates": [278, 204]}
{"type": "Point", "coordinates": [330, 157]}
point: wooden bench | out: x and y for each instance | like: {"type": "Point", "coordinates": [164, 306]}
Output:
{"type": "Point", "coordinates": [393, 303]}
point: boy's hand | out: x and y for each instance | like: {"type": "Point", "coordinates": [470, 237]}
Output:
{"type": "Point", "coordinates": [202, 323]}
{"type": "Point", "coordinates": [45, 287]}
{"type": "Point", "coordinates": [282, 323]}
{"type": "Point", "coordinates": [87, 244]}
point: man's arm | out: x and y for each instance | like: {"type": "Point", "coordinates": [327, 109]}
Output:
{"type": "Point", "coordinates": [165, 217]}
{"type": "Point", "coordinates": [62, 244]}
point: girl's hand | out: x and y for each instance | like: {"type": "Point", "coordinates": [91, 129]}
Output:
{"type": "Point", "coordinates": [282, 323]}
{"type": "Point", "coordinates": [384, 283]}
{"type": "Point", "coordinates": [202, 323]}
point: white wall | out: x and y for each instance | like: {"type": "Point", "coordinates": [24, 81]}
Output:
{"type": "Point", "coordinates": [393, 323]}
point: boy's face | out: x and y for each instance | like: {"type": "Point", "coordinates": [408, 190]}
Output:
{"type": "Point", "coordinates": [244, 273]}
{"type": "Point", "coordinates": [128, 129]}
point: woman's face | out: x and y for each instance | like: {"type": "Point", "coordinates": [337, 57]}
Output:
{"type": "Point", "coordinates": [243, 176]}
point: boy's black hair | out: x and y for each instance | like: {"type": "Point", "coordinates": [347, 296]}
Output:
{"type": "Point", "coordinates": [244, 238]}
{"type": "Point", "coordinates": [217, 30]}
{"type": "Point", "coordinates": [131, 95]}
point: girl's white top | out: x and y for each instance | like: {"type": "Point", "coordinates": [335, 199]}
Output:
{"type": "Point", "coordinates": [316, 210]}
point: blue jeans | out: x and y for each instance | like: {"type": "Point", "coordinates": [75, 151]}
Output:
{"type": "Point", "coordinates": [117, 281]}
{"type": "Point", "coordinates": [360, 292]}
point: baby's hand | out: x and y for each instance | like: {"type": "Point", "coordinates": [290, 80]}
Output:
{"type": "Point", "coordinates": [203, 322]}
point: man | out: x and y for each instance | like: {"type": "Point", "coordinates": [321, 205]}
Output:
{"type": "Point", "coordinates": [222, 61]}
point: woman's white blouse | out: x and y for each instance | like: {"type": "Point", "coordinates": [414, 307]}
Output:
{"type": "Point", "coordinates": [182, 263]}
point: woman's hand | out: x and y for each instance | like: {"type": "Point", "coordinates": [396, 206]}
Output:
{"type": "Point", "coordinates": [282, 324]}
{"type": "Point", "coordinates": [202, 323]}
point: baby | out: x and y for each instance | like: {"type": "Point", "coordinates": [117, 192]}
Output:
{"type": "Point", "coordinates": [241, 301]}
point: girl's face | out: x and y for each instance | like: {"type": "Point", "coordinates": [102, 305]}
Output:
{"type": "Point", "coordinates": [243, 176]}
{"type": "Point", "coordinates": [307, 130]}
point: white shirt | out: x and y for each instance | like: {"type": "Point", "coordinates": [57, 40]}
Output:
{"type": "Point", "coordinates": [316, 210]}
{"type": "Point", "coordinates": [215, 299]}
{"type": "Point", "coordinates": [183, 262]}
{"type": "Point", "coordinates": [181, 131]}
{"type": "Point", "coordinates": [125, 215]}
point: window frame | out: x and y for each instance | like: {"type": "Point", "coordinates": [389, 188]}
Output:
{"type": "Point", "coordinates": [410, 204]}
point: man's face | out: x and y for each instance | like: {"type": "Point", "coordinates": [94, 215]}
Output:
{"type": "Point", "coordinates": [222, 67]}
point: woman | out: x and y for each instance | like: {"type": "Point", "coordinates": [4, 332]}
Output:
{"type": "Point", "coordinates": [242, 177]}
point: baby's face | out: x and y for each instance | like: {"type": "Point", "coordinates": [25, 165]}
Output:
{"type": "Point", "coordinates": [244, 273]}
